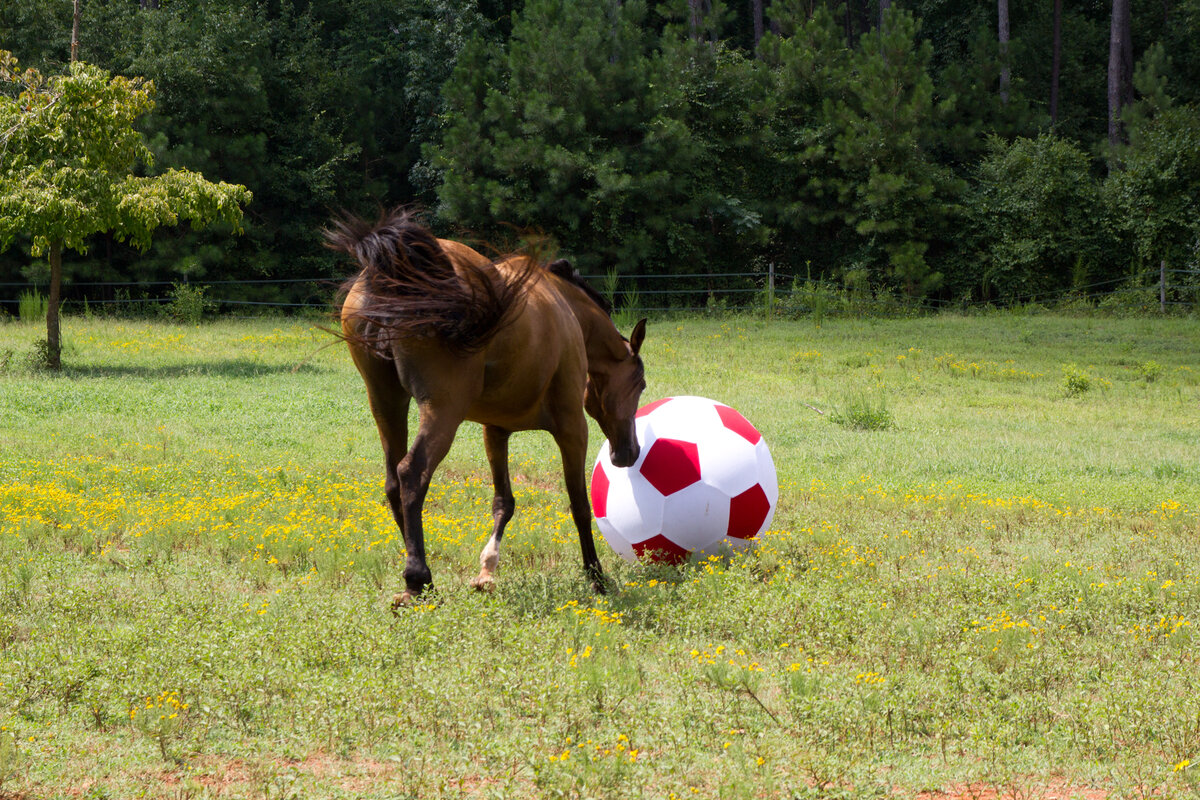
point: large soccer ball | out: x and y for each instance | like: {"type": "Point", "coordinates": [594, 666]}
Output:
{"type": "Point", "coordinates": [704, 482]}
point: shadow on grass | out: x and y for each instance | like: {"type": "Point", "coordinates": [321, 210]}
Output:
{"type": "Point", "coordinates": [234, 368]}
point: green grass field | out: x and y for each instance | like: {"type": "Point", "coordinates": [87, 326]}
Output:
{"type": "Point", "coordinates": [983, 577]}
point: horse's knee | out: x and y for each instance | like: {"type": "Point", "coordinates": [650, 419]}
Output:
{"type": "Point", "coordinates": [414, 462]}
{"type": "Point", "coordinates": [407, 474]}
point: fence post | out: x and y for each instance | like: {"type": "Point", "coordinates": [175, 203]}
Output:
{"type": "Point", "coordinates": [1162, 286]}
{"type": "Point", "coordinates": [770, 290]}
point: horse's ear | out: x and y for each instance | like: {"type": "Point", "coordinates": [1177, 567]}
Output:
{"type": "Point", "coordinates": [638, 336]}
{"type": "Point", "coordinates": [562, 268]}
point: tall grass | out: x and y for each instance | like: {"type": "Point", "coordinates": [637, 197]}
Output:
{"type": "Point", "coordinates": [32, 306]}
{"type": "Point", "coordinates": [996, 595]}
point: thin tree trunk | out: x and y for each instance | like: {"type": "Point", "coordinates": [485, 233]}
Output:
{"type": "Point", "coordinates": [695, 15]}
{"type": "Point", "coordinates": [756, 16]}
{"type": "Point", "coordinates": [75, 33]}
{"type": "Point", "coordinates": [1120, 69]}
{"type": "Point", "coordinates": [884, 6]}
{"type": "Point", "coordinates": [1056, 63]}
{"type": "Point", "coordinates": [53, 341]}
{"type": "Point", "coordinates": [1003, 31]}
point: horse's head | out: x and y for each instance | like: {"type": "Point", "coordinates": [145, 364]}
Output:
{"type": "Point", "coordinates": [613, 390]}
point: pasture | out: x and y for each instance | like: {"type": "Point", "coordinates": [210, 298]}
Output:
{"type": "Point", "coordinates": [983, 577]}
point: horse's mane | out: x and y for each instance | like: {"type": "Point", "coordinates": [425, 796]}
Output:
{"type": "Point", "coordinates": [410, 288]}
{"type": "Point", "coordinates": [563, 269]}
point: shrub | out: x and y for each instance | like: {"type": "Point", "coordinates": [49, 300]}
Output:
{"type": "Point", "coordinates": [1075, 381]}
{"type": "Point", "coordinates": [1150, 371]}
{"type": "Point", "coordinates": [188, 303]}
{"type": "Point", "coordinates": [815, 298]}
{"type": "Point", "coordinates": [40, 357]}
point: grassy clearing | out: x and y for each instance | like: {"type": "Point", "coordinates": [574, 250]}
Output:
{"type": "Point", "coordinates": [998, 589]}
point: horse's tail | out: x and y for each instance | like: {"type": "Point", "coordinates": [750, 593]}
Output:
{"type": "Point", "coordinates": [409, 287]}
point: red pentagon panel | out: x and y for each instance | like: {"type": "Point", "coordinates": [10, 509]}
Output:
{"type": "Point", "coordinates": [671, 465]}
{"type": "Point", "coordinates": [738, 424]}
{"type": "Point", "coordinates": [661, 549]}
{"type": "Point", "coordinates": [646, 409]}
{"type": "Point", "coordinates": [600, 484]}
{"type": "Point", "coordinates": [747, 512]}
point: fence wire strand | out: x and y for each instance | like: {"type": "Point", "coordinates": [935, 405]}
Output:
{"type": "Point", "coordinates": [633, 288]}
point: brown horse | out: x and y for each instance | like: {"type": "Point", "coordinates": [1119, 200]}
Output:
{"type": "Point", "coordinates": [511, 344]}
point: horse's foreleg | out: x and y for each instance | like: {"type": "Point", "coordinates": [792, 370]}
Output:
{"type": "Point", "coordinates": [495, 442]}
{"type": "Point", "coordinates": [572, 443]}
{"type": "Point", "coordinates": [413, 473]}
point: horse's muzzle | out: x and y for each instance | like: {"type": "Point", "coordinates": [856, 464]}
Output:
{"type": "Point", "coordinates": [625, 456]}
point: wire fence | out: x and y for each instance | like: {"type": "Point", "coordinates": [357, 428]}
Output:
{"type": "Point", "coordinates": [719, 292]}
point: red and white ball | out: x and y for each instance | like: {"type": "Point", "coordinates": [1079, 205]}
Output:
{"type": "Point", "coordinates": [703, 482]}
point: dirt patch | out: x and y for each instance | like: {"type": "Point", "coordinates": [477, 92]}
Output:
{"type": "Point", "coordinates": [1033, 790]}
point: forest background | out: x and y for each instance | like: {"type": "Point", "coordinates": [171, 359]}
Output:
{"type": "Point", "coordinates": [944, 153]}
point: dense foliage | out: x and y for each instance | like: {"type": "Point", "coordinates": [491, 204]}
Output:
{"type": "Point", "coordinates": [685, 138]}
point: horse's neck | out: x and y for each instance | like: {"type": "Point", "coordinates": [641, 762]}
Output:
{"type": "Point", "coordinates": [601, 338]}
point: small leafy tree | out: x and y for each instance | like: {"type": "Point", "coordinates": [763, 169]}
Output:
{"type": "Point", "coordinates": [67, 171]}
{"type": "Point", "coordinates": [1039, 217]}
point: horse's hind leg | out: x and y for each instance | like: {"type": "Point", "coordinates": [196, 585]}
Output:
{"type": "Point", "coordinates": [572, 443]}
{"type": "Point", "coordinates": [389, 402]}
{"type": "Point", "coordinates": [414, 472]}
{"type": "Point", "coordinates": [495, 442]}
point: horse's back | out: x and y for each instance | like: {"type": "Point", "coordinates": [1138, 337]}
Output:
{"type": "Point", "coordinates": [532, 368]}
{"type": "Point", "coordinates": [356, 298]}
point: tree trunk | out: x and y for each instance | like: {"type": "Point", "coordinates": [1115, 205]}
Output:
{"type": "Point", "coordinates": [1056, 63]}
{"type": "Point", "coordinates": [1003, 31]}
{"type": "Point", "coordinates": [695, 17]}
{"type": "Point", "coordinates": [149, 5]}
{"type": "Point", "coordinates": [1120, 69]}
{"type": "Point", "coordinates": [75, 33]}
{"type": "Point", "coordinates": [884, 5]}
{"type": "Point", "coordinates": [53, 341]}
{"type": "Point", "coordinates": [756, 16]}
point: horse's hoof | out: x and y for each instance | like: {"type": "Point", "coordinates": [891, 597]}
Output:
{"type": "Point", "coordinates": [483, 583]}
{"type": "Point", "coordinates": [402, 600]}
